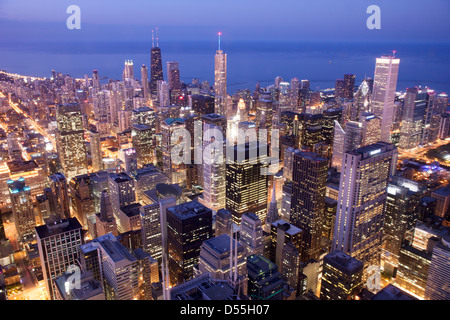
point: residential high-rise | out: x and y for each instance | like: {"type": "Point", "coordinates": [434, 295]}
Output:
{"type": "Point", "coordinates": [188, 226]}
{"type": "Point", "coordinates": [22, 207]}
{"type": "Point", "coordinates": [220, 81]}
{"type": "Point", "coordinates": [70, 140]}
{"type": "Point", "coordinates": [251, 234]}
{"type": "Point", "coordinates": [246, 181]}
{"type": "Point", "coordinates": [96, 151]}
{"type": "Point", "coordinates": [213, 172]}
{"type": "Point", "coordinates": [175, 171]}
{"type": "Point", "coordinates": [308, 200]}
{"type": "Point", "coordinates": [58, 243]}
{"type": "Point", "coordinates": [361, 202]}
{"type": "Point", "coordinates": [383, 96]}
{"type": "Point", "coordinates": [341, 276]}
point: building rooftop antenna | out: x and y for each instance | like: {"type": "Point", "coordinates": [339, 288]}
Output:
{"type": "Point", "coordinates": [157, 38]}
{"type": "Point", "coordinates": [153, 40]}
{"type": "Point", "coordinates": [220, 33]}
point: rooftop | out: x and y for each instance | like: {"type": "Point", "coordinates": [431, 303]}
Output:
{"type": "Point", "coordinates": [344, 261]}
{"type": "Point", "coordinates": [188, 210]}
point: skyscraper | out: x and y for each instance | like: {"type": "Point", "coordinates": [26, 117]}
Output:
{"type": "Point", "coordinates": [22, 207]}
{"type": "Point", "coordinates": [59, 187]}
{"type": "Point", "coordinates": [251, 234]}
{"type": "Point", "coordinates": [145, 83]}
{"type": "Point", "coordinates": [341, 276]}
{"type": "Point", "coordinates": [264, 280]}
{"type": "Point", "coordinates": [96, 150]}
{"type": "Point", "coordinates": [438, 282]}
{"type": "Point", "coordinates": [246, 183]}
{"type": "Point", "coordinates": [58, 243]}
{"type": "Point", "coordinates": [349, 86]}
{"type": "Point", "coordinates": [105, 221]}
{"type": "Point", "coordinates": [142, 137]}
{"type": "Point", "coordinates": [361, 202]}
{"type": "Point", "coordinates": [220, 81]}
{"type": "Point", "coordinates": [385, 84]}
{"type": "Point", "coordinates": [173, 75]}
{"type": "Point", "coordinates": [70, 140]}
{"type": "Point", "coordinates": [308, 200]}
{"type": "Point", "coordinates": [188, 226]}
{"type": "Point", "coordinates": [155, 68]}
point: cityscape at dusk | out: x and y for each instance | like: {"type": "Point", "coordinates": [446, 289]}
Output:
{"type": "Point", "coordinates": [245, 152]}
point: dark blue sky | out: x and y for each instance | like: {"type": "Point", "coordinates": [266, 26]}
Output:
{"type": "Point", "coordinates": [322, 20]}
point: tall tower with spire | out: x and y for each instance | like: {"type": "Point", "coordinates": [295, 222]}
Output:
{"type": "Point", "coordinates": [220, 81]}
{"type": "Point", "coordinates": [272, 210]}
{"type": "Point", "coordinates": [156, 69]}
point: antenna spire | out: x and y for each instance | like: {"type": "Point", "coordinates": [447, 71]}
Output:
{"type": "Point", "coordinates": [220, 33]}
{"type": "Point", "coordinates": [153, 39]}
{"type": "Point", "coordinates": [157, 38]}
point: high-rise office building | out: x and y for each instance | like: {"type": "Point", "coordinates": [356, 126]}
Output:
{"type": "Point", "coordinates": [215, 255]}
{"type": "Point", "coordinates": [341, 276]}
{"type": "Point", "coordinates": [154, 219]}
{"type": "Point", "coordinates": [188, 226]}
{"type": "Point", "coordinates": [96, 150]}
{"type": "Point", "coordinates": [282, 232]}
{"type": "Point", "coordinates": [117, 268]}
{"type": "Point", "coordinates": [70, 140]}
{"type": "Point", "coordinates": [246, 181]}
{"type": "Point", "coordinates": [349, 86]}
{"type": "Point", "coordinates": [413, 268]}
{"type": "Point", "coordinates": [438, 282]}
{"type": "Point", "coordinates": [128, 71]}
{"type": "Point", "coordinates": [223, 222]}
{"type": "Point", "coordinates": [290, 266]}
{"type": "Point", "coordinates": [383, 96]}
{"type": "Point", "coordinates": [175, 171]}
{"type": "Point", "coordinates": [339, 88]}
{"type": "Point", "coordinates": [22, 207]}
{"type": "Point", "coordinates": [95, 80]}
{"type": "Point", "coordinates": [59, 187]}
{"type": "Point", "coordinates": [173, 75]}
{"type": "Point", "coordinates": [403, 198]}
{"type": "Point", "coordinates": [264, 280]}
{"type": "Point", "coordinates": [220, 81]}
{"type": "Point", "coordinates": [251, 234]}
{"type": "Point", "coordinates": [361, 202]}
{"type": "Point", "coordinates": [105, 221]}
{"type": "Point", "coordinates": [308, 200]}
{"type": "Point", "coordinates": [121, 190]}
{"type": "Point", "coordinates": [58, 243]}
{"type": "Point", "coordinates": [156, 69]}
{"type": "Point", "coordinates": [361, 101]}
{"type": "Point", "coordinates": [143, 139]}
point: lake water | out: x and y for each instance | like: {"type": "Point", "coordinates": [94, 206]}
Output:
{"type": "Point", "coordinates": [426, 64]}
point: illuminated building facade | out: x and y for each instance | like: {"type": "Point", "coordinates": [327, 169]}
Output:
{"type": "Point", "coordinates": [188, 226]}
{"type": "Point", "coordinates": [438, 283]}
{"type": "Point", "coordinates": [246, 183]}
{"type": "Point", "coordinates": [264, 280]}
{"type": "Point", "coordinates": [142, 136]}
{"type": "Point", "coordinates": [96, 150]}
{"type": "Point", "coordinates": [70, 140]}
{"type": "Point", "coordinates": [251, 234]}
{"type": "Point", "coordinates": [220, 82]}
{"type": "Point", "coordinates": [155, 69]}
{"type": "Point", "coordinates": [58, 243]}
{"type": "Point", "coordinates": [383, 94]}
{"type": "Point", "coordinates": [341, 276]}
{"type": "Point", "coordinates": [309, 180]}
{"type": "Point", "coordinates": [361, 202]}
{"type": "Point", "coordinates": [282, 232]}
{"type": "Point", "coordinates": [22, 207]}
